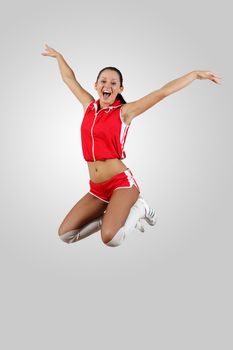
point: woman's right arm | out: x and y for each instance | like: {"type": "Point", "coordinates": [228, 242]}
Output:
{"type": "Point", "coordinates": [69, 78]}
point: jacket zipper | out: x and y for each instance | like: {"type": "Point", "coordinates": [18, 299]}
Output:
{"type": "Point", "coordinates": [93, 137]}
{"type": "Point", "coordinates": [96, 114]}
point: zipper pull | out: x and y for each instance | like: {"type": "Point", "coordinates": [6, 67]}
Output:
{"type": "Point", "coordinates": [109, 109]}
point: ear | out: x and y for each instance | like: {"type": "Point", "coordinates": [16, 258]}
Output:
{"type": "Point", "coordinates": [121, 89]}
{"type": "Point", "coordinates": [95, 86]}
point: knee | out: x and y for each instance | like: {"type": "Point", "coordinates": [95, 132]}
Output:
{"type": "Point", "coordinates": [61, 231]}
{"type": "Point", "coordinates": [68, 237]}
{"type": "Point", "coordinates": [113, 239]}
{"type": "Point", "coordinates": [107, 233]}
{"type": "Point", "coordinates": [61, 234]}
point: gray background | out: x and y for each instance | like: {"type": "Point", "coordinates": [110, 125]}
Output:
{"type": "Point", "coordinates": [169, 288]}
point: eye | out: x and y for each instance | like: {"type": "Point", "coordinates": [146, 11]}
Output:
{"type": "Point", "coordinates": [113, 83]}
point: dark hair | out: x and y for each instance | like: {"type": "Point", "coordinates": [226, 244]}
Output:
{"type": "Point", "coordinates": [119, 96]}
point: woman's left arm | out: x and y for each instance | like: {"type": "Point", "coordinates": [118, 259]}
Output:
{"type": "Point", "coordinates": [132, 109]}
{"type": "Point", "coordinates": [180, 83]}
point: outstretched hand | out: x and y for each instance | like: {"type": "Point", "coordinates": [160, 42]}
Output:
{"type": "Point", "coordinates": [49, 51]}
{"type": "Point", "coordinates": [208, 75]}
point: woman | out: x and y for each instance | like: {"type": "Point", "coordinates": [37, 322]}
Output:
{"type": "Point", "coordinates": [113, 204]}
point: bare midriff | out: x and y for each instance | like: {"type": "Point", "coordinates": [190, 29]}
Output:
{"type": "Point", "coordinates": [103, 170]}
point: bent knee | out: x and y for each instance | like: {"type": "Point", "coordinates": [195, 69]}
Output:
{"type": "Point", "coordinates": [70, 236]}
{"type": "Point", "coordinates": [107, 235]}
{"type": "Point", "coordinates": [63, 229]}
{"type": "Point", "coordinates": [113, 239]}
{"type": "Point", "coordinates": [106, 239]}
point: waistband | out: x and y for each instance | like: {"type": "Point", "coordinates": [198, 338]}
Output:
{"type": "Point", "coordinates": [126, 172]}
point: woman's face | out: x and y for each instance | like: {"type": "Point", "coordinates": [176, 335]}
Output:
{"type": "Point", "coordinates": [109, 82]}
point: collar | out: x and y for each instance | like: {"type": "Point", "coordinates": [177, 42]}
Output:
{"type": "Point", "coordinates": [115, 104]}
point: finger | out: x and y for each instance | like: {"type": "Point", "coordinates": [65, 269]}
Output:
{"type": "Point", "coordinates": [48, 47]}
{"type": "Point", "coordinates": [216, 81]}
{"type": "Point", "coordinates": [215, 75]}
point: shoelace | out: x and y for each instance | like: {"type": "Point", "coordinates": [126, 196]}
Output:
{"type": "Point", "coordinates": [150, 217]}
{"type": "Point", "coordinates": [151, 213]}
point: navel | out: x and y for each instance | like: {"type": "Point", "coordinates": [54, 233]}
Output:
{"type": "Point", "coordinates": [96, 168]}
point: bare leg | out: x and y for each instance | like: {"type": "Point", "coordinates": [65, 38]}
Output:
{"type": "Point", "coordinates": [117, 213]}
{"type": "Point", "coordinates": [83, 219]}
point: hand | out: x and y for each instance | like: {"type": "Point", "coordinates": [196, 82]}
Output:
{"type": "Point", "coordinates": [50, 52]}
{"type": "Point", "coordinates": [200, 74]}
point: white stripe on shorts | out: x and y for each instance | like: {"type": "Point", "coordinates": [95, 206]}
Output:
{"type": "Point", "coordinates": [98, 197]}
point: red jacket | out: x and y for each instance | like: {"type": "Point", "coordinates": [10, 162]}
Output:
{"type": "Point", "coordinates": [103, 133]}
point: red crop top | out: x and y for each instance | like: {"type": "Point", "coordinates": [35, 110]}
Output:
{"type": "Point", "coordinates": [103, 133]}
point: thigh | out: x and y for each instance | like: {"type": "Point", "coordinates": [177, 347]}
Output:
{"type": "Point", "coordinates": [85, 210]}
{"type": "Point", "coordinates": [118, 210]}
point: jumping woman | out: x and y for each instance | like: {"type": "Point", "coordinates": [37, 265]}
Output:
{"type": "Point", "coordinates": [114, 204]}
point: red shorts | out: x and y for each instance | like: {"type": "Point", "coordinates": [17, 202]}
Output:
{"type": "Point", "coordinates": [104, 190]}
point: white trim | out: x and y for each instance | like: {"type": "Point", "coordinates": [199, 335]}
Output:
{"type": "Point", "coordinates": [122, 136]}
{"type": "Point", "coordinates": [109, 107]}
{"type": "Point", "coordinates": [123, 187]}
{"type": "Point", "coordinates": [131, 179]}
{"type": "Point", "coordinates": [123, 131]}
{"type": "Point", "coordinates": [98, 197]}
{"type": "Point", "coordinates": [132, 184]}
{"type": "Point", "coordinates": [95, 106]}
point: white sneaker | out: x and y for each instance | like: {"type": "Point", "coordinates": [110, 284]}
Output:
{"type": "Point", "coordinates": [150, 216]}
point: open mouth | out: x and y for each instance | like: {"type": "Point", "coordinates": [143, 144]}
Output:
{"type": "Point", "coordinates": [106, 94]}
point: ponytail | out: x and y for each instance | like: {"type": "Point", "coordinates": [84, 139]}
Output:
{"type": "Point", "coordinates": [121, 98]}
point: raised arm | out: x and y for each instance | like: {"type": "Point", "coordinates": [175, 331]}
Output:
{"type": "Point", "coordinates": [133, 109]}
{"type": "Point", "coordinates": [69, 78]}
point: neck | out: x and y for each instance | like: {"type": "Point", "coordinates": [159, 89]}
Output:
{"type": "Point", "coordinates": [103, 104]}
